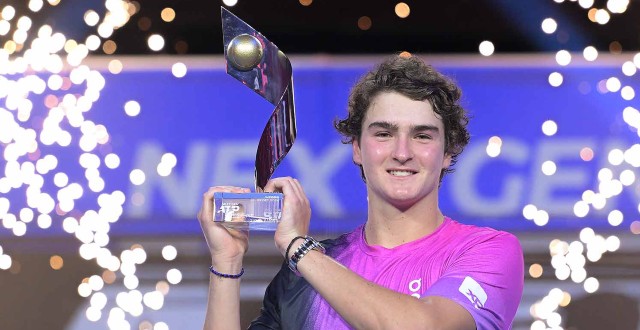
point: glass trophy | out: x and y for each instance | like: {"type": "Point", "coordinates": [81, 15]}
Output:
{"type": "Point", "coordinates": [262, 67]}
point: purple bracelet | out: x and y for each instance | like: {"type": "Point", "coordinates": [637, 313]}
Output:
{"type": "Point", "coordinates": [226, 275]}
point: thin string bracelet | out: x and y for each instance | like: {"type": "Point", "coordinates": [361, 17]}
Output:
{"type": "Point", "coordinates": [226, 275]}
{"type": "Point", "coordinates": [286, 254]}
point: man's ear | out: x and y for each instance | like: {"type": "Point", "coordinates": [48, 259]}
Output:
{"type": "Point", "coordinates": [446, 162]}
{"type": "Point", "coordinates": [357, 157]}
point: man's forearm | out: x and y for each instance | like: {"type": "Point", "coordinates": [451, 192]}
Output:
{"type": "Point", "coordinates": [223, 306]}
{"type": "Point", "coordinates": [366, 305]}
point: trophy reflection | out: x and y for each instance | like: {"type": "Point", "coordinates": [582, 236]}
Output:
{"type": "Point", "coordinates": [261, 66]}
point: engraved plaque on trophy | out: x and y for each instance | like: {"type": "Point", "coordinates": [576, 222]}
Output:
{"type": "Point", "coordinates": [262, 67]}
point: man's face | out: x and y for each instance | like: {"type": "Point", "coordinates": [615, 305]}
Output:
{"type": "Point", "coordinates": [401, 150]}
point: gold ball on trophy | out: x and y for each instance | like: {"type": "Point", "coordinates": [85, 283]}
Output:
{"type": "Point", "coordinates": [244, 52]}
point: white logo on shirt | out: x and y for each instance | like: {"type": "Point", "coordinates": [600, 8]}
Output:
{"type": "Point", "coordinates": [414, 287]}
{"type": "Point", "coordinates": [472, 290]}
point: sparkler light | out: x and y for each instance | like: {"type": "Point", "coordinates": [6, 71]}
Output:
{"type": "Point", "coordinates": [569, 259]}
{"type": "Point", "coordinates": [47, 95]}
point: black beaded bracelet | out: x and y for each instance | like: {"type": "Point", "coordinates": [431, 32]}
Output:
{"type": "Point", "coordinates": [226, 275]}
{"type": "Point", "coordinates": [286, 254]}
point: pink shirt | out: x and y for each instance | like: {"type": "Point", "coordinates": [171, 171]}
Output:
{"type": "Point", "coordinates": [479, 268]}
{"type": "Point", "coordinates": [482, 269]}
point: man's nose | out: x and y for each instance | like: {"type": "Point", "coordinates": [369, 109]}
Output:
{"type": "Point", "coordinates": [402, 149]}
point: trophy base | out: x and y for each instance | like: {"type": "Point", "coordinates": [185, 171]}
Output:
{"type": "Point", "coordinates": [248, 211]}
{"type": "Point", "coordinates": [255, 225]}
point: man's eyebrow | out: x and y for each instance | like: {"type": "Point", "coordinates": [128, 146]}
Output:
{"type": "Point", "coordinates": [384, 125]}
{"type": "Point", "coordinates": [420, 128]}
{"type": "Point", "coordinates": [394, 127]}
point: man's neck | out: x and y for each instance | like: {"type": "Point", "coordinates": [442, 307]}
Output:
{"type": "Point", "coordinates": [389, 226]}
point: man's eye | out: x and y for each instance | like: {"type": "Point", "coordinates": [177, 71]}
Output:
{"type": "Point", "coordinates": [423, 137]}
{"type": "Point", "coordinates": [382, 134]}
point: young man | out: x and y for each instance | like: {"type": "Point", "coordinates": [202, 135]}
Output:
{"type": "Point", "coordinates": [408, 266]}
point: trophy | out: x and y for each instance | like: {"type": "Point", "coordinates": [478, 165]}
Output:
{"type": "Point", "coordinates": [261, 66]}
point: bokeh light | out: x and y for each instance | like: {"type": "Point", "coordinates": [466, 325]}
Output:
{"type": "Point", "coordinates": [535, 270]}
{"type": "Point", "coordinates": [494, 146]}
{"type": "Point", "coordinates": [179, 70]}
{"type": "Point", "coordinates": [549, 128]}
{"type": "Point", "coordinates": [590, 53]}
{"type": "Point", "coordinates": [586, 154]}
{"type": "Point", "coordinates": [155, 42]}
{"type": "Point", "coordinates": [486, 48]}
{"type": "Point", "coordinates": [168, 14]}
{"type": "Point", "coordinates": [230, 3]}
{"type": "Point", "coordinates": [549, 25]}
{"type": "Point", "coordinates": [555, 79]}
{"type": "Point", "coordinates": [364, 23]}
{"type": "Point", "coordinates": [174, 276]}
{"type": "Point", "coordinates": [169, 252]}
{"type": "Point", "coordinates": [586, 4]}
{"type": "Point", "coordinates": [402, 10]}
{"type": "Point", "coordinates": [563, 57]}
{"type": "Point", "coordinates": [56, 262]}
{"type": "Point", "coordinates": [132, 108]}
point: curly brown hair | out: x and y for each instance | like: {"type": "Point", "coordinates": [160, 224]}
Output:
{"type": "Point", "coordinates": [411, 77]}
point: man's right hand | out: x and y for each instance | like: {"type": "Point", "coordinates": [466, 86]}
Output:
{"type": "Point", "coordinates": [227, 246]}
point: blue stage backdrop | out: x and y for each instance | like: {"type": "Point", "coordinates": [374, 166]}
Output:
{"type": "Point", "coordinates": [212, 123]}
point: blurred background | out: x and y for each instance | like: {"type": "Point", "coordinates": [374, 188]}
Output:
{"type": "Point", "coordinates": [115, 117]}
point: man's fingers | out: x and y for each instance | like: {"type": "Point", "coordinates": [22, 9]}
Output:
{"type": "Point", "coordinates": [206, 211]}
{"type": "Point", "coordinates": [271, 186]}
{"type": "Point", "coordinates": [207, 204]}
{"type": "Point", "coordinates": [297, 187]}
{"type": "Point", "coordinates": [279, 184]}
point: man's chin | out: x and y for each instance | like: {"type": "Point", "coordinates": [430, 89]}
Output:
{"type": "Point", "coordinates": [403, 201]}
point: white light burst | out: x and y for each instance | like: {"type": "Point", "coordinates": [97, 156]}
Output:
{"type": "Point", "coordinates": [47, 93]}
{"type": "Point", "coordinates": [569, 258]}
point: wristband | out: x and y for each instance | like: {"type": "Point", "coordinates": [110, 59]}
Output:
{"type": "Point", "coordinates": [308, 245]}
{"type": "Point", "coordinates": [223, 275]}
{"type": "Point", "coordinates": [286, 254]}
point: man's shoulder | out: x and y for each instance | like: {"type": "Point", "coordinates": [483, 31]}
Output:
{"type": "Point", "coordinates": [478, 234]}
{"type": "Point", "coordinates": [344, 240]}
